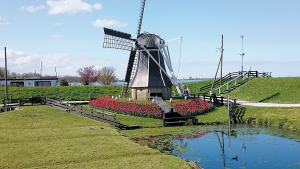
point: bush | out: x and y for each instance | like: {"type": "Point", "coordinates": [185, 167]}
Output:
{"type": "Point", "coordinates": [64, 82]}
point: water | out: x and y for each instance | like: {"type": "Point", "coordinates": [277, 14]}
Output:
{"type": "Point", "coordinates": [247, 147]}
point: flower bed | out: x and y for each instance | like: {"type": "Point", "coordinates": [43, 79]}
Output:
{"type": "Point", "coordinates": [192, 107]}
{"type": "Point", "coordinates": [121, 106]}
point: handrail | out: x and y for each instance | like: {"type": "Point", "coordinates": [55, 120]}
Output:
{"type": "Point", "coordinates": [228, 78]}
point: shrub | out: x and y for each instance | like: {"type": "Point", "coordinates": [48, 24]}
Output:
{"type": "Point", "coordinates": [64, 82]}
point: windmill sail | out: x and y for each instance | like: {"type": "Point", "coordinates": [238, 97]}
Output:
{"type": "Point", "coordinates": [117, 40]}
{"type": "Point", "coordinates": [130, 65]}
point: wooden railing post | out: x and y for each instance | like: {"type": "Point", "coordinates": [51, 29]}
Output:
{"type": "Point", "coordinates": [164, 122]}
{"type": "Point", "coordinates": [19, 102]}
{"type": "Point", "coordinates": [4, 105]}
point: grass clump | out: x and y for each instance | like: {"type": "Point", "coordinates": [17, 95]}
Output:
{"type": "Point", "coordinates": [42, 136]}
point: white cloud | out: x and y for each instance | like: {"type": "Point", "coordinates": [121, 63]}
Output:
{"type": "Point", "coordinates": [66, 64]}
{"type": "Point", "coordinates": [70, 6]}
{"type": "Point", "coordinates": [56, 36]}
{"type": "Point", "coordinates": [32, 8]}
{"type": "Point", "coordinates": [108, 23]}
{"type": "Point", "coordinates": [57, 23]}
{"type": "Point", "coordinates": [2, 21]}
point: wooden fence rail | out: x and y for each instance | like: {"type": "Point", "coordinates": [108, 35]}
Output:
{"type": "Point", "coordinates": [92, 114]}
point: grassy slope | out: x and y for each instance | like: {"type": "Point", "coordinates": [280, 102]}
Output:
{"type": "Point", "coordinates": [62, 92]}
{"type": "Point", "coordinates": [42, 136]}
{"type": "Point", "coordinates": [287, 116]}
{"type": "Point", "coordinates": [259, 89]}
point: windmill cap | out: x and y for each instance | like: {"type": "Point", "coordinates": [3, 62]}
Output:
{"type": "Point", "coordinates": [149, 40]}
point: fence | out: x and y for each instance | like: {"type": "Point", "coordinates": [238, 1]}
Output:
{"type": "Point", "coordinates": [95, 115]}
{"type": "Point", "coordinates": [233, 75]}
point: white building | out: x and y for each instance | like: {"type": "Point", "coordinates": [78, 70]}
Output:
{"type": "Point", "coordinates": [30, 81]}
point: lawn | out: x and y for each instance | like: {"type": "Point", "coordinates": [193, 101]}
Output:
{"type": "Point", "coordinates": [269, 90]}
{"type": "Point", "coordinates": [42, 136]}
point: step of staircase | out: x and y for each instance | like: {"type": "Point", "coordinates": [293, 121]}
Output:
{"type": "Point", "coordinates": [234, 87]}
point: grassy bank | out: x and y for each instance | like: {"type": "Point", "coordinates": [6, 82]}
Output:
{"type": "Point", "coordinates": [42, 136]}
{"type": "Point", "coordinates": [62, 92]}
{"type": "Point", "coordinates": [269, 90]}
{"type": "Point", "coordinates": [281, 118]}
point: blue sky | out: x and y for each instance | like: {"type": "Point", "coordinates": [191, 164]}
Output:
{"type": "Point", "coordinates": [68, 34]}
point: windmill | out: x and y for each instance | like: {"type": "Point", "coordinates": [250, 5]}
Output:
{"type": "Point", "coordinates": [146, 73]}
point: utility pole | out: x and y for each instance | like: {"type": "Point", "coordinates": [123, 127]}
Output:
{"type": "Point", "coordinates": [41, 70]}
{"type": "Point", "coordinates": [221, 60]}
{"type": "Point", "coordinates": [242, 54]}
{"type": "Point", "coordinates": [6, 95]}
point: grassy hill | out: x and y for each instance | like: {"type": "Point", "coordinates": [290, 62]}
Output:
{"type": "Point", "coordinates": [269, 90]}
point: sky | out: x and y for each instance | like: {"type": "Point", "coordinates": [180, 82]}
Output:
{"type": "Point", "coordinates": [68, 34]}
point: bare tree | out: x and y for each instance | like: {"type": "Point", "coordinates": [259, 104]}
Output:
{"type": "Point", "coordinates": [107, 76]}
{"type": "Point", "coordinates": [88, 75]}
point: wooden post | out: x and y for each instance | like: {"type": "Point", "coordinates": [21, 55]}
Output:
{"type": "Point", "coordinates": [19, 101]}
{"type": "Point", "coordinates": [164, 123]}
{"type": "Point", "coordinates": [5, 74]}
{"type": "Point", "coordinates": [228, 111]}
{"type": "Point", "coordinates": [4, 104]}
{"type": "Point", "coordinates": [115, 119]}
{"type": "Point", "coordinates": [222, 100]}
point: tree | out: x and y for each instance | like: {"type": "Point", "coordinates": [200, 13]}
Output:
{"type": "Point", "coordinates": [64, 82]}
{"type": "Point", "coordinates": [88, 75]}
{"type": "Point", "coordinates": [107, 76]}
{"type": "Point", "coordinates": [2, 72]}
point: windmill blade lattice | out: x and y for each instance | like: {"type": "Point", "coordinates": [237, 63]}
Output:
{"type": "Point", "coordinates": [117, 40]}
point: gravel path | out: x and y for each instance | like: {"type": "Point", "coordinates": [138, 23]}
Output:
{"type": "Point", "coordinates": [259, 104]}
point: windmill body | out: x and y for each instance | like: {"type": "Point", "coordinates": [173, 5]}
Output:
{"type": "Point", "coordinates": [149, 79]}
{"type": "Point", "coordinates": [146, 74]}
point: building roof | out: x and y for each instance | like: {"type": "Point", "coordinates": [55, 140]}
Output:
{"type": "Point", "coordinates": [31, 78]}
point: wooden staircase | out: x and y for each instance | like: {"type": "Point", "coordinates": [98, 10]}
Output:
{"type": "Point", "coordinates": [234, 87]}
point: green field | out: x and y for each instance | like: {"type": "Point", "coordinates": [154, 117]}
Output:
{"type": "Point", "coordinates": [46, 137]}
{"type": "Point", "coordinates": [269, 90]}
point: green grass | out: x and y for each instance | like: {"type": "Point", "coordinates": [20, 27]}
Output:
{"type": "Point", "coordinates": [288, 90]}
{"type": "Point", "coordinates": [42, 136]}
{"type": "Point", "coordinates": [62, 92]}
{"type": "Point", "coordinates": [286, 117]}
{"type": "Point", "coordinates": [133, 120]}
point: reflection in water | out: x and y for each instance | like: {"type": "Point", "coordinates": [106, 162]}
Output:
{"type": "Point", "coordinates": [266, 147]}
{"type": "Point", "coordinates": [263, 150]}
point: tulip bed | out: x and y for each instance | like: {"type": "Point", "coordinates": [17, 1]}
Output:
{"type": "Point", "coordinates": [121, 106]}
{"type": "Point", "coordinates": [192, 107]}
